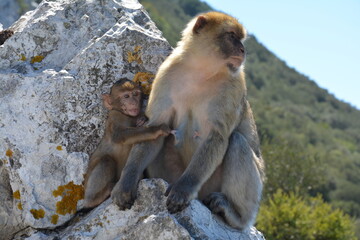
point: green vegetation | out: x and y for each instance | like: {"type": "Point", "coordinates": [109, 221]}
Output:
{"type": "Point", "coordinates": [310, 140]}
{"type": "Point", "coordinates": [26, 5]}
{"type": "Point", "coordinates": [23, 7]}
{"type": "Point", "coordinates": [281, 162]}
{"type": "Point", "coordinates": [171, 16]}
{"type": "Point", "coordinates": [289, 216]}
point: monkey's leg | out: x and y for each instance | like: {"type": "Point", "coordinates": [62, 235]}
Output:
{"type": "Point", "coordinates": [168, 164]}
{"type": "Point", "coordinates": [100, 183]}
{"type": "Point", "coordinates": [239, 199]}
{"type": "Point", "coordinates": [203, 164]}
{"type": "Point", "coordinates": [141, 155]}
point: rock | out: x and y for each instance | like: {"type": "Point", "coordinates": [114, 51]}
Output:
{"type": "Point", "coordinates": [53, 70]}
{"type": "Point", "coordinates": [147, 219]}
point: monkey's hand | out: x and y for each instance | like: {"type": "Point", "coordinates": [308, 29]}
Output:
{"type": "Point", "coordinates": [141, 121]}
{"type": "Point", "coordinates": [179, 197]}
{"type": "Point", "coordinates": [124, 199]}
{"type": "Point", "coordinates": [164, 130]}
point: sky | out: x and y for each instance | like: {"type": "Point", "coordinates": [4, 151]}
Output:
{"type": "Point", "coordinates": [319, 38]}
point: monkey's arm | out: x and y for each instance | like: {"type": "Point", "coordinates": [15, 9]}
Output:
{"type": "Point", "coordinates": [202, 165]}
{"type": "Point", "coordinates": [141, 155]}
{"type": "Point", "coordinates": [134, 135]}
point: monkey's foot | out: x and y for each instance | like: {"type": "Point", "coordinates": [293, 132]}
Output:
{"type": "Point", "coordinates": [177, 200]}
{"type": "Point", "coordinates": [217, 203]}
{"type": "Point", "coordinates": [124, 200]}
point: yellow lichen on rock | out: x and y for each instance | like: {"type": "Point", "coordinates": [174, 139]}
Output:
{"type": "Point", "coordinates": [16, 194]}
{"type": "Point", "coordinates": [19, 206]}
{"type": "Point", "coordinates": [145, 79]}
{"type": "Point", "coordinates": [9, 153]}
{"type": "Point", "coordinates": [36, 59]}
{"type": "Point", "coordinates": [134, 56]}
{"type": "Point", "coordinates": [22, 57]}
{"type": "Point", "coordinates": [71, 194]}
{"type": "Point", "coordinates": [37, 214]}
{"type": "Point", "coordinates": [54, 219]}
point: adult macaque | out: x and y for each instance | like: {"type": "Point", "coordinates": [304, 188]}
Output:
{"type": "Point", "coordinates": [123, 129]}
{"type": "Point", "coordinates": [200, 91]}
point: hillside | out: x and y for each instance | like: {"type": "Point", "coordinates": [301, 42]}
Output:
{"type": "Point", "coordinates": [297, 120]}
{"type": "Point", "coordinates": [11, 10]}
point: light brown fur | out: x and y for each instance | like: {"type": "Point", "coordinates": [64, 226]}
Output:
{"type": "Point", "coordinates": [121, 132]}
{"type": "Point", "coordinates": [200, 91]}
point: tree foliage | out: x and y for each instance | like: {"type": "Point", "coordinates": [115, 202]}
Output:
{"type": "Point", "coordinates": [290, 168]}
{"type": "Point", "coordinates": [289, 216]}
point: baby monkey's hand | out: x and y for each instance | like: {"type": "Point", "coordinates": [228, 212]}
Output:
{"type": "Point", "coordinates": [141, 121]}
{"type": "Point", "coordinates": [164, 130]}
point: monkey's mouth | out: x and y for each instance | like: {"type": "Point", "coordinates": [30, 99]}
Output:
{"type": "Point", "coordinates": [236, 61]}
{"type": "Point", "coordinates": [133, 112]}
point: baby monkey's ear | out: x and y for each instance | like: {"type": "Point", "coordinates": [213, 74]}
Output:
{"type": "Point", "coordinates": [107, 101]}
{"type": "Point", "coordinates": [200, 23]}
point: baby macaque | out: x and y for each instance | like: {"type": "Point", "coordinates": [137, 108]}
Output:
{"type": "Point", "coordinates": [124, 127]}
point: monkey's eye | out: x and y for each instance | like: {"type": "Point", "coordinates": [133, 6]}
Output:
{"type": "Point", "coordinates": [233, 35]}
{"type": "Point", "coordinates": [126, 96]}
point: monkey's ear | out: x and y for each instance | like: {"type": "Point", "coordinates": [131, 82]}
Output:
{"type": "Point", "coordinates": [107, 101]}
{"type": "Point", "coordinates": [201, 21]}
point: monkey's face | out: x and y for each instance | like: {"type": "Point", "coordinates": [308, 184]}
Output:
{"type": "Point", "coordinates": [231, 48]}
{"type": "Point", "coordinates": [222, 34]}
{"type": "Point", "coordinates": [126, 101]}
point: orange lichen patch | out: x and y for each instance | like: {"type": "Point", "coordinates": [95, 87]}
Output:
{"type": "Point", "coordinates": [71, 194]}
{"type": "Point", "coordinates": [16, 194]}
{"type": "Point", "coordinates": [9, 153]}
{"type": "Point", "coordinates": [54, 219]}
{"type": "Point", "coordinates": [59, 148]}
{"type": "Point", "coordinates": [135, 56]}
{"type": "Point", "coordinates": [22, 57]}
{"type": "Point", "coordinates": [37, 59]}
{"type": "Point", "coordinates": [19, 206]}
{"type": "Point", "coordinates": [37, 214]}
{"type": "Point", "coordinates": [137, 48]}
{"type": "Point", "coordinates": [145, 80]}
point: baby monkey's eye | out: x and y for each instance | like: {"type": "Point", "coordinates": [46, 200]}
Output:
{"type": "Point", "coordinates": [126, 96]}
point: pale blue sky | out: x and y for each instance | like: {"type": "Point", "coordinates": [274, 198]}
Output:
{"type": "Point", "coordinates": [319, 38]}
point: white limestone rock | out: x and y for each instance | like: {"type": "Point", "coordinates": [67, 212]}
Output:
{"type": "Point", "coordinates": [53, 70]}
{"type": "Point", "coordinates": [147, 219]}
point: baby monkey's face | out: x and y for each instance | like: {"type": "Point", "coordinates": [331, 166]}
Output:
{"type": "Point", "coordinates": [127, 101]}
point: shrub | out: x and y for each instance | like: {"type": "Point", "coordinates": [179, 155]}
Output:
{"type": "Point", "coordinates": [288, 216]}
{"type": "Point", "coordinates": [290, 168]}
